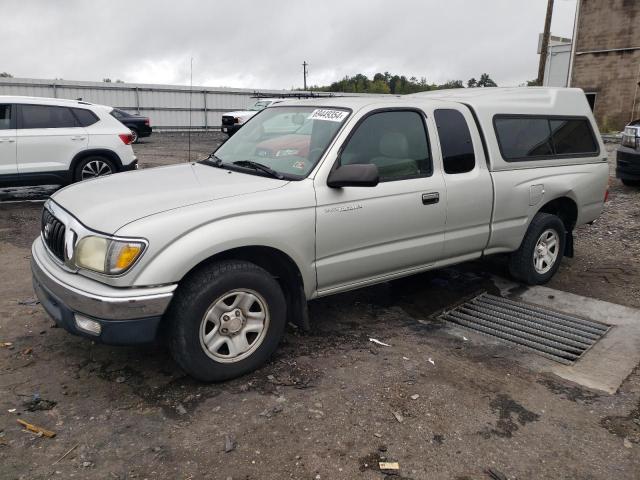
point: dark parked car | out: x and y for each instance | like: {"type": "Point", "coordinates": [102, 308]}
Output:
{"type": "Point", "coordinates": [139, 126]}
{"type": "Point", "coordinates": [628, 158]}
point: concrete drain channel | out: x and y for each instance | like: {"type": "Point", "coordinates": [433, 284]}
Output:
{"type": "Point", "coordinates": [558, 336]}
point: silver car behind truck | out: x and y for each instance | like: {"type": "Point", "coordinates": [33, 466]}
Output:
{"type": "Point", "coordinates": [218, 255]}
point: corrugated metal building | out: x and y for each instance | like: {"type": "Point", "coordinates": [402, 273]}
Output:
{"type": "Point", "coordinates": [168, 106]}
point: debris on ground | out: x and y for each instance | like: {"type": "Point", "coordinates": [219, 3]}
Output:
{"type": "Point", "coordinates": [6, 344]}
{"type": "Point", "coordinates": [398, 416]}
{"type": "Point", "coordinates": [66, 453]}
{"type": "Point", "coordinates": [432, 362]}
{"type": "Point", "coordinates": [230, 443]}
{"type": "Point", "coordinates": [36, 429]}
{"type": "Point", "coordinates": [37, 403]}
{"type": "Point", "coordinates": [389, 465]}
{"type": "Point", "coordinates": [415, 396]}
{"type": "Point", "coordinates": [378, 342]}
{"type": "Point", "coordinates": [495, 474]}
{"type": "Point", "coordinates": [270, 412]}
{"type": "Point", "coordinates": [12, 410]}
{"type": "Point", "coordinates": [29, 302]}
{"type": "Point", "coordinates": [180, 409]}
{"type": "Point", "coordinates": [27, 351]}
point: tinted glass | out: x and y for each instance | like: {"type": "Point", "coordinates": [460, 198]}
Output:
{"type": "Point", "coordinates": [45, 116]}
{"type": "Point", "coordinates": [455, 141]}
{"type": "Point", "coordinates": [5, 117]}
{"type": "Point", "coordinates": [521, 138]}
{"type": "Point", "coordinates": [573, 136]}
{"type": "Point", "coordinates": [396, 142]}
{"type": "Point", "coordinates": [85, 117]}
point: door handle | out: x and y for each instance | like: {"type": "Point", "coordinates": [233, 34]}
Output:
{"type": "Point", "coordinates": [8, 140]}
{"type": "Point", "coordinates": [430, 198]}
{"type": "Point", "coordinates": [78, 138]}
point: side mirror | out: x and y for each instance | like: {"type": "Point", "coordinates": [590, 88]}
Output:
{"type": "Point", "coordinates": [354, 175]}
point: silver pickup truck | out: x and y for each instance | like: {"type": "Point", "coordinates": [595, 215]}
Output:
{"type": "Point", "coordinates": [217, 256]}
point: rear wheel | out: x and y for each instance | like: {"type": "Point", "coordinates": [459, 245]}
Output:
{"type": "Point", "coordinates": [134, 136]}
{"type": "Point", "coordinates": [541, 251]}
{"type": "Point", "coordinates": [226, 320]}
{"type": "Point", "coordinates": [92, 167]}
{"type": "Point", "coordinates": [631, 183]}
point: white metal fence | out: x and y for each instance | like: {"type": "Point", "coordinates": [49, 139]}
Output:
{"type": "Point", "coordinates": [168, 106]}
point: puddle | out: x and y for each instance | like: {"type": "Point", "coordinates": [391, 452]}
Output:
{"type": "Point", "coordinates": [507, 408]}
{"type": "Point", "coordinates": [38, 193]}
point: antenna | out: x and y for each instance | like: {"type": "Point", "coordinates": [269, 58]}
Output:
{"type": "Point", "coordinates": [190, 95]}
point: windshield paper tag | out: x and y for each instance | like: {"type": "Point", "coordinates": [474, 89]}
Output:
{"type": "Point", "coordinates": [328, 114]}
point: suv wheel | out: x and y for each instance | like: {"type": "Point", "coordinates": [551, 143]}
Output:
{"type": "Point", "coordinates": [226, 320]}
{"type": "Point", "coordinates": [134, 135]}
{"type": "Point", "coordinates": [92, 167]}
{"type": "Point", "coordinates": [540, 253]}
{"type": "Point", "coordinates": [631, 183]}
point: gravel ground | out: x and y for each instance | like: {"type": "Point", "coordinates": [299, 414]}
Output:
{"type": "Point", "coordinates": [331, 404]}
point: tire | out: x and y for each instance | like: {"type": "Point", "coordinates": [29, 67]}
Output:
{"type": "Point", "coordinates": [100, 166]}
{"type": "Point", "coordinates": [525, 264]}
{"type": "Point", "coordinates": [631, 183]}
{"type": "Point", "coordinates": [136, 135]}
{"type": "Point", "coordinates": [196, 317]}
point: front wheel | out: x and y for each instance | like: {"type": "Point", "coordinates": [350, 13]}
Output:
{"type": "Point", "coordinates": [226, 320]}
{"type": "Point", "coordinates": [540, 252]}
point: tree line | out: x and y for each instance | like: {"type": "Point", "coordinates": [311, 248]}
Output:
{"type": "Point", "coordinates": [398, 84]}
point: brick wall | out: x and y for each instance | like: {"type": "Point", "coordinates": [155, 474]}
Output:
{"type": "Point", "coordinates": [612, 76]}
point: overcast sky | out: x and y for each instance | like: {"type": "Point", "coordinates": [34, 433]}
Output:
{"type": "Point", "coordinates": [262, 44]}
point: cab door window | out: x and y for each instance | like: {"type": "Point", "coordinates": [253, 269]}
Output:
{"type": "Point", "coordinates": [395, 141]}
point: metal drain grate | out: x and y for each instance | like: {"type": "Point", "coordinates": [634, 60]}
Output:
{"type": "Point", "coordinates": [558, 336]}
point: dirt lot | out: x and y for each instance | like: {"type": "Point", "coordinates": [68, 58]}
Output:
{"type": "Point", "coordinates": [331, 404]}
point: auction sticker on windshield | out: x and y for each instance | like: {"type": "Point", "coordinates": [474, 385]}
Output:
{"type": "Point", "coordinates": [328, 114]}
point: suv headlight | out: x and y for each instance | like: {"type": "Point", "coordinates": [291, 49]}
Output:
{"type": "Point", "coordinates": [629, 137]}
{"type": "Point", "coordinates": [107, 255]}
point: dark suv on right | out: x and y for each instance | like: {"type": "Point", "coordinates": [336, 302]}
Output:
{"type": "Point", "coordinates": [628, 157]}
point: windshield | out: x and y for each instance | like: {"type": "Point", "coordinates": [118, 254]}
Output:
{"type": "Point", "coordinates": [260, 105]}
{"type": "Point", "coordinates": [289, 140]}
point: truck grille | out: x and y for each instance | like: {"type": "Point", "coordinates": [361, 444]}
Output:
{"type": "Point", "coordinates": [227, 120]}
{"type": "Point", "coordinates": [53, 231]}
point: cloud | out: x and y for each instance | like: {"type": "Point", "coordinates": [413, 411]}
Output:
{"type": "Point", "coordinates": [258, 44]}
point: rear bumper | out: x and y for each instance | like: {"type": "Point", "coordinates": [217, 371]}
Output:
{"type": "Point", "coordinates": [126, 316]}
{"type": "Point", "coordinates": [132, 166]}
{"type": "Point", "coordinates": [628, 164]}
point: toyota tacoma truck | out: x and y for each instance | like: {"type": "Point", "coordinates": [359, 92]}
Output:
{"type": "Point", "coordinates": [215, 257]}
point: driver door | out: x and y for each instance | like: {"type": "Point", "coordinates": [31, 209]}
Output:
{"type": "Point", "coordinates": [367, 234]}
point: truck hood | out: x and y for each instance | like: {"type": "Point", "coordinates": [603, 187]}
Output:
{"type": "Point", "coordinates": [107, 204]}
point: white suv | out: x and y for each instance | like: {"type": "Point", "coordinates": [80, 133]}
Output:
{"type": "Point", "coordinates": [53, 141]}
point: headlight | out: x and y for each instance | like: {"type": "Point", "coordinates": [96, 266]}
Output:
{"type": "Point", "coordinates": [107, 255]}
{"type": "Point", "coordinates": [629, 137]}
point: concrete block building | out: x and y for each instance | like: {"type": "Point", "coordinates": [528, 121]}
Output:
{"type": "Point", "coordinates": [606, 61]}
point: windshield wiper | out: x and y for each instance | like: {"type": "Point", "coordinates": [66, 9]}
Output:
{"type": "Point", "coordinates": [259, 166]}
{"type": "Point", "coordinates": [213, 161]}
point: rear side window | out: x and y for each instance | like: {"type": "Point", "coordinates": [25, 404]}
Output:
{"type": "Point", "coordinates": [5, 117]}
{"type": "Point", "coordinates": [85, 117]}
{"type": "Point", "coordinates": [524, 138]}
{"type": "Point", "coordinates": [46, 116]}
{"type": "Point", "coordinates": [458, 155]}
{"type": "Point", "coordinates": [572, 137]}
{"type": "Point", "coordinates": [394, 141]}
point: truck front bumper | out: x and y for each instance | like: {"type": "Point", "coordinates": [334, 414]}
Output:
{"type": "Point", "coordinates": [115, 316]}
{"type": "Point", "coordinates": [628, 163]}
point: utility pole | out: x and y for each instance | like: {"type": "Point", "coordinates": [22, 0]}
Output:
{"type": "Point", "coordinates": [545, 42]}
{"type": "Point", "coordinates": [304, 73]}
